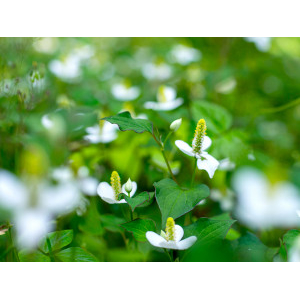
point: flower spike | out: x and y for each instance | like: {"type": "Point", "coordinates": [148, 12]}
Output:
{"type": "Point", "coordinates": [116, 183]}
{"type": "Point", "coordinates": [170, 229]}
{"type": "Point", "coordinates": [200, 132]}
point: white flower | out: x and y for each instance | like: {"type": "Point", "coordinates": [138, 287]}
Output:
{"type": "Point", "coordinates": [262, 205]}
{"type": "Point", "coordinates": [200, 143]}
{"type": "Point", "coordinates": [102, 134]}
{"type": "Point", "coordinates": [34, 204]}
{"type": "Point", "coordinates": [294, 253]}
{"type": "Point", "coordinates": [166, 100]}
{"type": "Point", "coordinates": [123, 92]}
{"type": "Point", "coordinates": [185, 55]}
{"type": "Point", "coordinates": [172, 238]}
{"type": "Point", "coordinates": [109, 193]}
{"type": "Point", "coordinates": [226, 198]}
{"type": "Point", "coordinates": [159, 71]}
{"type": "Point", "coordinates": [226, 165]}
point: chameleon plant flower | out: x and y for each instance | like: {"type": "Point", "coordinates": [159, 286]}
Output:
{"type": "Point", "coordinates": [200, 143]}
{"type": "Point", "coordinates": [172, 238]}
{"type": "Point", "coordinates": [166, 100]}
{"type": "Point", "coordinates": [123, 92]}
{"type": "Point", "coordinates": [102, 134]}
{"type": "Point", "coordinates": [110, 192]}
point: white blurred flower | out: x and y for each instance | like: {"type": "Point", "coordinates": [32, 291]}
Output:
{"type": "Point", "coordinates": [294, 253]}
{"type": "Point", "coordinates": [226, 199]}
{"type": "Point", "coordinates": [159, 71]}
{"type": "Point", "coordinates": [109, 192]}
{"type": "Point", "coordinates": [262, 43]}
{"type": "Point", "coordinates": [69, 69]}
{"type": "Point", "coordinates": [166, 100]}
{"type": "Point", "coordinates": [200, 143]}
{"type": "Point", "coordinates": [185, 55]}
{"type": "Point", "coordinates": [262, 205]}
{"type": "Point", "coordinates": [172, 238]}
{"type": "Point", "coordinates": [226, 165]}
{"type": "Point", "coordinates": [102, 134]}
{"type": "Point", "coordinates": [46, 45]}
{"type": "Point", "coordinates": [226, 86]}
{"type": "Point", "coordinates": [123, 92]}
{"type": "Point", "coordinates": [34, 204]}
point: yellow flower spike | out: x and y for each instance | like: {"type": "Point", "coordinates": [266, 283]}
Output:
{"type": "Point", "coordinates": [161, 94]}
{"type": "Point", "coordinates": [200, 132]}
{"type": "Point", "coordinates": [116, 183]}
{"type": "Point", "coordinates": [170, 229]}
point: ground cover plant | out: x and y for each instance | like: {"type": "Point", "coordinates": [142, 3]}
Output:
{"type": "Point", "coordinates": [149, 149]}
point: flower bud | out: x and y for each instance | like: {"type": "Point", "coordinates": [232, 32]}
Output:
{"type": "Point", "coordinates": [128, 186]}
{"type": "Point", "coordinates": [175, 124]}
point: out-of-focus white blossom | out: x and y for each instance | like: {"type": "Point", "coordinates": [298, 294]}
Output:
{"type": "Point", "coordinates": [102, 134]}
{"type": "Point", "coordinates": [166, 99]}
{"type": "Point", "coordinates": [265, 206]}
{"type": "Point", "coordinates": [123, 92]}
{"type": "Point", "coordinates": [160, 71]}
{"type": "Point", "coordinates": [262, 43]}
{"type": "Point", "coordinates": [185, 55]}
{"type": "Point", "coordinates": [226, 86]}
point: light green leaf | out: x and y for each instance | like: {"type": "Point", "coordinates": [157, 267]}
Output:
{"type": "Point", "coordinates": [75, 254]}
{"type": "Point", "coordinates": [217, 118]}
{"type": "Point", "coordinates": [137, 200]}
{"type": "Point", "coordinates": [174, 201]}
{"type": "Point", "coordinates": [125, 122]}
{"type": "Point", "coordinates": [58, 240]}
{"type": "Point", "coordinates": [139, 227]}
{"type": "Point", "coordinates": [208, 230]}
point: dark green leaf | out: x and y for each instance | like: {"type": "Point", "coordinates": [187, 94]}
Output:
{"type": "Point", "coordinates": [125, 122]}
{"type": "Point", "coordinates": [75, 254]}
{"type": "Point", "coordinates": [174, 201]}
{"type": "Point", "coordinates": [139, 227]}
{"type": "Point", "coordinates": [58, 240]}
{"type": "Point", "coordinates": [208, 230]}
{"type": "Point", "coordinates": [136, 200]}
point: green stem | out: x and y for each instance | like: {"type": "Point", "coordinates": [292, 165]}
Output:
{"type": "Point", "coordinates": [12, 243]}
{"type": "Point", "coordinates": [169, 255]}
{"type": "Point", "coordinates": [194, 172]}
{"type": "Point", "coordinates": [131, 212]}
{"type": "Point", "coordinates": [50, 249]}
{"type": "Point", "coordinates": [167, 137]}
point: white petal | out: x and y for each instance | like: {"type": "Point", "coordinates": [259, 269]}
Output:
{"type": "Point", "coordinates": [31, 226]}
{"type": "Point", "coordinates": [89, 186]}
{"type": "Point", "coordinates": [206, 143]}
{"type": "Point", "coordinates": [123, 93]}
{"type": "Point", "coordinates": [59, 199]}
{"type": "Point", "coordinates": [155, 239]}
{"type": "Point", "coordinates": [134, 188]}
{"type": "Point", "coordinates": [62, 174]}
{"type": "Point", "coordinates": [105, 191]}
{"type": "Point", "coordinates": [13, 193]}
{"type": "Point", "coordinates": [94, 130]}
{"type": "Point", "coordinates": [209, 164]}
{"type": "Point", "coordinates": [168, 94]}
{"type": "Point", "coordinates": [164, 106]}
{"type": "Point", "coordinates": [186, 243]}
{"type": "Point", "coordinates": [178, 233]}
{"type": "Point", "coordinates": [184, 147]}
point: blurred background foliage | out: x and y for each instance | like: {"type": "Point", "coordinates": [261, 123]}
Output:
{"type": "Point", "coordinates": [247, 90]}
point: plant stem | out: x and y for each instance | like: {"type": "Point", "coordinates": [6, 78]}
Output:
{"type": "Point", "coordinates": [167, 137]}
{"type": "Point", "coordinates": [50, 249]}
{"type": "Point", "coordinates": [169, 255]}
{"type": "Point", "coordinates": [194, 172]}
{"type": "Point", "coordinates": [162, 149]}
{"type": "Point", "coordinates": [131, 212]}
{"type": "Point", "coordinates": [12, 243]}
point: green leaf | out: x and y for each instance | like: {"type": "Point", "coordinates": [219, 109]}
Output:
{"type": "Point", "coordinates": [139, 227]}
{"type": "Point", "coordinates": [125, 122]}
{"type": "Point", "coordinates": [217, 118]}
{"type": "Point", "coordinates": [112, 223]}
{"type": "Point", "coordinates": [75, 254]}
{"type": "Point", "coordinates": [208, 230]}
{"type": "Point", "coordinates": [137, 200]}
{"type": "Point", "coordinates": [174, 201]}
{"type": "Point", "coordinates": [36, 256]}
{"type": "Point", "coordinates": [58, 240]}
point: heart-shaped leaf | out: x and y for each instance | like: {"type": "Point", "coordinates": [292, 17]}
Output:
{"type": "Point", "coordinates": [208, 230]}
{"type": "Point", "coordinates": [137, 200]}
{"type": "Point", "coordinates": [126, 122]}
{"type": "Point", "coordinates": [174, 201]}
{"type": "Point", "coordinates": [139, 227]}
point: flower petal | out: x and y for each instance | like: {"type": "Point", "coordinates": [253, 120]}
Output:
{"type": "Point", "coordinates": [165, 106]}
{"type": "Point", "coordinates": [209, 164]}
{"type": "Point", "coordinates": [206, 142]}
{"type": "Point", "coordinates": [155, 239]}
{"type": "Point", "coordinates": [134, 188]}
{"type": "Point", "coordinates": [184, 147]}
{"type": "Point", "coordinates": [88, 186]}
{"type": "Point", "coordinates": [178, 233]}
{"type": "Point", "coordinates": [13, 193]}
{"type": "Point", "coordinates": [106, 192]}
{"type": "Point", "coordinates": [186, 243]}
